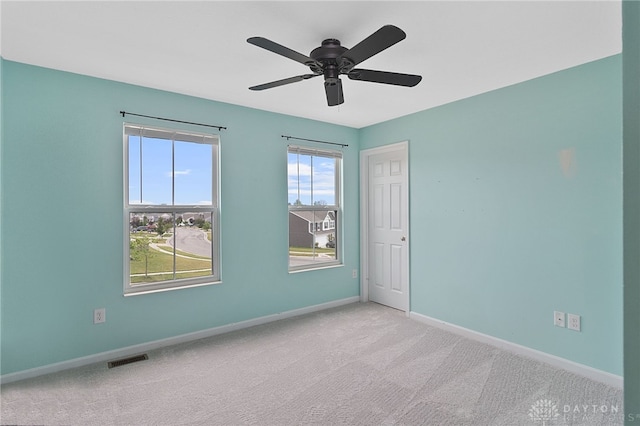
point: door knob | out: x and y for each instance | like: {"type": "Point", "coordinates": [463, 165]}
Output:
{"type": "Point", "coordinates": [403, 239]}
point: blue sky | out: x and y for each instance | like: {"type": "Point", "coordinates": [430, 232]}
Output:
{"type": "Point", "coordinates": [191, 173]}
{"type": "Point", "coordinates": [311, 179]}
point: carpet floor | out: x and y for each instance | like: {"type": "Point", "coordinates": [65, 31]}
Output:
{"type": "Point", "coordinates": [359, 364]}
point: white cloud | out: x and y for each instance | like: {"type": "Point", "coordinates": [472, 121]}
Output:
{"type": "Point", "coordinates": [292, 169]}
{"type": "Point", "coordinates": [179, 172]}
{"type": "Point", "coordinates": [318, 181]}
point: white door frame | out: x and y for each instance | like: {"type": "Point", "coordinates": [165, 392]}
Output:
{"type": "Point", "coordinates": [364, 217]}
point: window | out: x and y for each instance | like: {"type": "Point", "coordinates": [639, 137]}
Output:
{"type": "Point", "coordinates": [171, 209]}
{"type": "Point", "coordinates": [314, 188]}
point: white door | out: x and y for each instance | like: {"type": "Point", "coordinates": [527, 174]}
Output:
{"type": "Point", "coordinates": [388, 225]}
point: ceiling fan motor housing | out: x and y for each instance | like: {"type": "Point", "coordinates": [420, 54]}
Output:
{"type": "Point", "coordinates": [327, 54]}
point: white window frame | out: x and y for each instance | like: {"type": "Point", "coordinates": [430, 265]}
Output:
{"type": "Point", "coordinates": [337, 207]}
{"type": "Point", "coordinates": [176, 209]}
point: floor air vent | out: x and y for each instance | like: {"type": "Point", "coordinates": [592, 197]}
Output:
{"type": "Point", "coordinates": [129, 360]}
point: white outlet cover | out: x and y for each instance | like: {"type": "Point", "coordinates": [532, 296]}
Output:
{"type": "Point", "coordinates": [99, 316]}
{"type": "Point", "coordinates": [573, 322]}
{"type": "Point", "coordinates": [558, 319]}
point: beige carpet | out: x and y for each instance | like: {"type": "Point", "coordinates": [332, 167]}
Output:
{"type": "Point", "coordinates": [361, 364]}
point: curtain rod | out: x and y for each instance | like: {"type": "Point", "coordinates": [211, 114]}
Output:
{"type": "Point", "coordinates": [175, 121]}
{"type": "Point", "coordinates": [313, 140]}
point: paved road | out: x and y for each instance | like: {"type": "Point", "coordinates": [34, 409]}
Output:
{"type": "Point", "coordinates": [191, 240]}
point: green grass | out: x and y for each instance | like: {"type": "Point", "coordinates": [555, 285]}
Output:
{"type": "Point", "coordinates": [159, 265]}
{"type": "Point", "coordinates": [160, 262]}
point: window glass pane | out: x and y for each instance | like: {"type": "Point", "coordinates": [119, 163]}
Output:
{"type": "Point", "coordinates": [135, 178]}
{"type": "Point", "coordinates": [151, 259]}
{"type": "Point", "coordinates": [299, 177]}
{"type": "Point", "coordinates": [324, 181]}
{"type": "Point", "coordinates": [312, 180]}
{"type": "Point", "coordinates": [193, 174]}
{"type": "Point", "coordinates": [167, 246]}
{"type": "Point", "coordinates": [192, 243]}
{"type": "Point", "coordinates": [157, 171]}
{"type": "Point", "coordinates": [309, 243]}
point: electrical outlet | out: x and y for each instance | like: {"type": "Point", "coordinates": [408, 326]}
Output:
{"type": "Point", "coordinates": [573, 322]}
{"type": "Point", "coordinates": [558, 319]}
{"type": "Point", "coordinates": [354, 273]}
{"type": "Point", "coordinates": [99, 315]}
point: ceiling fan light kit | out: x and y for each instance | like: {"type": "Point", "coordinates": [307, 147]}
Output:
{"type": "Point", "coordinates": [332, 59]}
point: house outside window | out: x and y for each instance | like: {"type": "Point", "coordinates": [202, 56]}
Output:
{"type": "Point", "coordinates": [171, 205]}
{"type": "Point", "coordinates": [314, 192]}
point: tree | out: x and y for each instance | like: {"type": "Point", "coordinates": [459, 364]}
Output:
{"type": "Point", "coordinates": [139, 248]}
{"type": "Point", "coordinates": [162, 225]}
{"type": "Point", "coordinates": [135, 221]}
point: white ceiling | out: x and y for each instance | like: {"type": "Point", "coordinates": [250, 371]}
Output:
{"type": "Point", "coordinates": [461, 48]}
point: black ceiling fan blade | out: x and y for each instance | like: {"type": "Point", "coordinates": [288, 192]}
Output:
{"type": "Point", "coordinates": [333, 88]}
{"type": "Point", "coordinates": [283, 82]}
{"type": "Point", "coordinates": [281, 50]}
{"type": "Point", "coordinates": [382, 39]}
{"type": "Point", "coordinates": [386, 77]}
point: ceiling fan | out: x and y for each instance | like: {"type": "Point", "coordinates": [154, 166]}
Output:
{"type": "Point", "coordinates": [331, 60]}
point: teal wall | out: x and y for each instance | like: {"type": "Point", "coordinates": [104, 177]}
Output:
{"type": "Point", "coordinates": [1, 197]}
{"type": "Point", "coordinates": [631, 79]}
{"type": "Point", "coordinates": [62, 218]}
{"type": "Point", "coordinates": [516, 211]}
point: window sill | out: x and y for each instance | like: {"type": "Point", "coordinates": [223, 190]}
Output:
{"type": "Point", "coordinates": [316, 268]}
{"type": "Point", "coordinates": [161, 290]}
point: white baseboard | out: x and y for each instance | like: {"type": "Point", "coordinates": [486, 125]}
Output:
{"type": "Point", "coordinates": [183, 338]}
{"type": "Point", "coordinates": [574, 367]}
